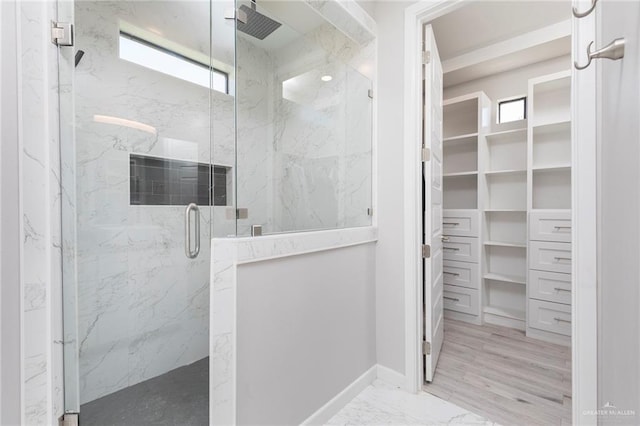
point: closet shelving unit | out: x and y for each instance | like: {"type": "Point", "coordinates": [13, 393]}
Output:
{"type": "Point", "coordinates": [549, 205]}
{"type": "Point", "coordinates": [504, 221]}
{"type": "Point", "coordinates": [465, 123]}
{"type": "Point", "coordinates": [507, 200]}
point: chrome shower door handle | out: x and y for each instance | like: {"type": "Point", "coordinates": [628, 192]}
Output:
{"type": "Point", "coordinates": [193, 207]}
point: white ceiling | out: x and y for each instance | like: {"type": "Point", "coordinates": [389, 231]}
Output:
{"type": "Point", "coordinates": [486, 25]}
{"type": "Point", "coordinates": [297, 19]}
{"type": "Point", "coordinates": [483, 23]}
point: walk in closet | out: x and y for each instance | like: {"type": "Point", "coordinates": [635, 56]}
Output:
{"type": "Point", "coordinates": [506, 218]}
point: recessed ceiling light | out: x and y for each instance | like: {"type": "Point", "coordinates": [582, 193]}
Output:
{"type": "Point", "coordinates": [326, 78]}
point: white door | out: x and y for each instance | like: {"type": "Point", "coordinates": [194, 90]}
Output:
{"type": "Point", "coordinates": [432, 208]}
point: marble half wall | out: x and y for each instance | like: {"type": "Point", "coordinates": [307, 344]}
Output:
{"type": "Point", "coordinates": [231, 253]}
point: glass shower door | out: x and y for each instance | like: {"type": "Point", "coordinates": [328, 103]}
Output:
{"type": "Point", "coordinates": [139, 90]}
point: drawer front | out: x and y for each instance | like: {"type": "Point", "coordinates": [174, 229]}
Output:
{"type": "Point", "coordinates": [463, 249]}
{"type": "Point", "coordinates": [461, 299]}
{"type": "Point", "coordinates": [464, 224]}
{"type": "Point", "coordinates": [462, 274]}
{"type": "Point", "coordinates": [550, 286]}
{"type": "Point", "coordinates": [553, 257]}
{"type": "Point", "coordinates": [550, 226]}
{"type": "Point", "coordinates": [548, 316]}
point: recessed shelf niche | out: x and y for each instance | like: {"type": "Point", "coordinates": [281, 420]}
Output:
{"type": "Point", "coordinates": [460, 117]}
{"type": "Point", "coordinates": [460, 192]}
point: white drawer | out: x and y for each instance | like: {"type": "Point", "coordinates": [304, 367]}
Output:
{"type": "Point", "coordinates": [465, 223]}
{"type": "Point", "coordinates": [549, 286]}
{"type": "Point", "coordinates": [553, 257]}
{"type": "Point", "coordinates": [465, 249]}
{"type": "Point", "coordinates": [550, 226]}
{"type": "Point", "coordinates": [548, 316]}
{"type": "Point", "coordinates": [461, 299]}
{"type": "Point", "coordinates": [463, 274]}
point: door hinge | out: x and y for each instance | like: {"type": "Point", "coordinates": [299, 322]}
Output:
{"type": "Point", "coordinates": [370, 93]}
{"type": "Point", "coordinates": [426, 57]}
{"type": "Point", "coordinates": [426, 155]}
{"type": "Point", "coordinates": [62, 33]}
{"type": "Point", "coordinates": [69, 419]}
{"type": "Point", "coordinates": [426, 348]}
{"type": "Point", "coordinates": [426, 251]}
{"type": "Point", "coordinates": [240, 213]}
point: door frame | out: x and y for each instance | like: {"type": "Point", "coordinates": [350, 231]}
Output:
{"type": "Point", "coordinates": [583, 191]}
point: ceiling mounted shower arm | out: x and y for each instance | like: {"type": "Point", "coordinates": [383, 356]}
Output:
{"type": "Point", "coordinates": [236, 15]}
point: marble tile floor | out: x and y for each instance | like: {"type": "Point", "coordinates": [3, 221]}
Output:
{"type": "Point", "coordinates": [383, 404]}
{"type": "Point", "coordinates": [179, 397]}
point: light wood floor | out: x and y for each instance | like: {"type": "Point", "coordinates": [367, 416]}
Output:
{"type": "Point", "coordinates": [501, 374]}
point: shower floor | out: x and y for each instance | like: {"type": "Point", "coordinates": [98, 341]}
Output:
{"type": "Point", "coordinates": [179, 397]}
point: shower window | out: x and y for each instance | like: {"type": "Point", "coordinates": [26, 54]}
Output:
{"type": "Point", "coordinates": [142, 52]}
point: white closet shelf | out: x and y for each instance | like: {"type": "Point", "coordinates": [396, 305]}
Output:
{"type": "Point", "coordinates": [505, 312]}
{"type": "Point", "coordinates": [471, 173]}
{"type": "Point", "coordinates": [507, 135]}
{"type": "Point", "coordinates": [552, 84]}
{"type": "Point", "coordinates": [506, 210]}
{"type": "Point", "coordinates": [551, 210]}
{"type": "Point", "coordinates": [505, 244]}
{"type": "Point", "coordinates": [552, 167]}
{"type": "Point", "coordinates": [469, 136]}
{"type": "Point", "coordinates": [515, 279]}
{"type": "Point", "coordinates": [551, 127]}
{"type": "Point", "coordinates": [506, 172]}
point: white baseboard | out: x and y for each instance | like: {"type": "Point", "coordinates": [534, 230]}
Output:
{"type": "Point", "coordinates": [338, 402]}
{"type": "Point", "coordinates": [391, 377]}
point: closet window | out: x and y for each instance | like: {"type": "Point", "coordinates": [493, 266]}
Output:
{"type": "Point", "coordinates": [512, 110]}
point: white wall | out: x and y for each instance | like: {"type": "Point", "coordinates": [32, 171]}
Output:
{"type": "Point", "coordinates": [390, 320]}
{"type": "Point", "coordinates": [619, 217]}
{"type": "Point", "coordinates": [10, 370]}
{"type": "Point", "coordinates": [306, 330]}
{"type": "Point", "coordinates": [508, 84]}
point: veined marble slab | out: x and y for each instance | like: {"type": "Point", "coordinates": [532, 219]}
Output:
{"type": "Point", "coordinates": [383, 404]}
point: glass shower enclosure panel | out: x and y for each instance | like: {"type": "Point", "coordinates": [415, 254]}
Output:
{"type": "Point", "coordinates": [304, 120]}
{"type": "Point", "coordinates": [143, 92]}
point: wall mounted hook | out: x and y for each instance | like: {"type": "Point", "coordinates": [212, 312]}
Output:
{"type": "Point", "coordinates": [587, 12]}
{"type": "Point", "coordinates": [613, 51]}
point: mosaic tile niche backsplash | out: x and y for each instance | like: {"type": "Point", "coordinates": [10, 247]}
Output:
{"type": "Point", "coordinates": [166, 182]}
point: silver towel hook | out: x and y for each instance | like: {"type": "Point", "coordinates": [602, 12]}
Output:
{"type": "Point", "coordinates": [613, 51]}
{"type": "Point", "coordinates": [586, 13]}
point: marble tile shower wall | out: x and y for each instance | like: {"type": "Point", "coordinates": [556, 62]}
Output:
{"type": "Point", "coordinates": [254, 88]}
{"type": "Point", "coordinates": [41, 254]}
{"type": "Point", "coordinates": [143, 307]}
{"type": "Point", "coordinates": [322, 138]}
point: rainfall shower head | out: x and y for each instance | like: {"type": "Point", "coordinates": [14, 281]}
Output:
{"type": "Point", "coordinates": [257, 25]}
